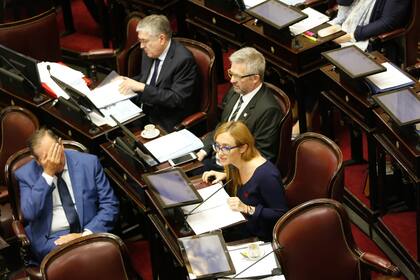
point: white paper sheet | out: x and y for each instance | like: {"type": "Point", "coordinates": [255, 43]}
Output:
{"type": "Point", "coordinates": [391, 78]}
{"type": "Point", "coordinates": [263, 267]}
{"type": "Point", "coordinates": [122, 111]}
{"type": "Point", "coordinates": [314, 19]}
{"type": "Point", "coordinates": [173, 145]}
{"type": "Point", "coordinates": [66, 74]}
{"type": "Point", "coordinates": [213, 214]}
{"type": "Point", "coordinates": [107, 93]}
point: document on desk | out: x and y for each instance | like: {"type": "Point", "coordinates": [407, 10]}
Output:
{"type": "Point", "coordinates": [107, 92]}
{"type": "Point", "coordinates": [261, 269]}
{"type": "Point", "coordinates": [214, 213]}
{"type": "Point", "coordinates": [122, 111]}
{"type": "Point", "coordinates": [314, 19]}
{"type": "Point", "coordinates": [173, 145]}
{"type": "Point", "coordinates": [66, 74]}
{"type": "Point", "coordinates": [392, 78]}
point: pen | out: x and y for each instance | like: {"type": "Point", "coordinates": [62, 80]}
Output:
{"type": "Point", "coordinates": [310, 37]}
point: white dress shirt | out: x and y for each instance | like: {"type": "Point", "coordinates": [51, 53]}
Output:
{"type": "Point", "coordinates": [162, 59]}
{"type": "Point", "coordinates": [246, 99]}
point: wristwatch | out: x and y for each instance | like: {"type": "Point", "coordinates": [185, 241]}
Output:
{"type": "Point", "coordinates": [251, 210]}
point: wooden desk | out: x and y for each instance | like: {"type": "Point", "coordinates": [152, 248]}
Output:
{"type": "Point", "coordinates": [21, 98]}
{"type": "Point", "coordinates": [289, 67]}
{"type": "Point", "coordinates": [382, 137]}
{"type": "Point", "coordinates": [71, 125]}
{"type": "Point", "coordinates": [163, 231]}
{"type": "Point", "coordinates": [404, 147]}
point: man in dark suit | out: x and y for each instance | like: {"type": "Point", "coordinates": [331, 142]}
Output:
{"type": "Point", "coordinates": [168, 83]}
{"type": "Point", "coordinates": [64, 194]}
{"type": "Point", "coordinates": [251, 102]}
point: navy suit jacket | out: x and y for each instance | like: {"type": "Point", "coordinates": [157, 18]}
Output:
{"type": "Point", "coordinates": [262, 116]}
{"type": "Point", "coordinates": [97, 206]}
{"type": "Point", "coordinates": [175, 95]}
{"type": "Point", "coordinates": [387, 15]}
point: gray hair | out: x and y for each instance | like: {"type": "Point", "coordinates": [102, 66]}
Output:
{"type": "Point", "coordinates": [37, 137]}
{"type": "Point", "coordinates": [155, 25]}
{"type": "Point", "coordinates": [254, 60]}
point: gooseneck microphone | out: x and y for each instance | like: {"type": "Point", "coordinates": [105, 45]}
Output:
{"type": "Point", "coordinates": [189, 213]}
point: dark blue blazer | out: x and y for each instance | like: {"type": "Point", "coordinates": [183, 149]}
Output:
{"type": "Point", "coordinates": [387, 15]}
{"type": "Point", "coordinates": [175, 95]}
{"type": "Point", "coordinates": [97, 206]}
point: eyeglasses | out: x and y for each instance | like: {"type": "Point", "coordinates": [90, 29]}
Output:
{"type": "Point", "coordinates": [238, 77]}
{"type": "Point", "coordinates": [223, 149]}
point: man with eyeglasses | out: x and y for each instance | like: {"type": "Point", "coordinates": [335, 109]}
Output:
{"type": "Point", "coordinates": [168, 82]}
{"type": "Point", "coordinates": [251, 102]}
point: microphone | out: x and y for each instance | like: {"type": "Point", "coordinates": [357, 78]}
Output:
{"type": "Point", "coordinates": [37, 95]}
{"type": "Point", "coordinates": [189, 213]}
{"type": "Point", "coordinates": [275, 271]}
{"type": "Point", "coordinates": [75, 93]}
{"type": "Point", "coordinates": [122, 146]}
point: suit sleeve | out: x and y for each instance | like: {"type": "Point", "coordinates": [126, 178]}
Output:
{"type": "Point", "coordinates": [266, 133]}
{"type": "Point", "coordinates": [183, 85]}
{"type": "Point", "coordinates": [107, 212]}
{"type": "Point", "coordinates": [34, 196]}
{"type": "Point", "coordinates": [393, 16]}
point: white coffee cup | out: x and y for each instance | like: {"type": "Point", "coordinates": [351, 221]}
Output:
{"type": "Point", "coordinates": [149, 129]}
{"type": "Point", "coordinates": [254, 251]}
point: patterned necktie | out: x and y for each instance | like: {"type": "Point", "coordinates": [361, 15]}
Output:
{"type": "Point", "coordinates": [233, 117]}
{"type": "Point", "coordinates": [155, 73]}
{"type": "Point", "coordinates": [68, 205]}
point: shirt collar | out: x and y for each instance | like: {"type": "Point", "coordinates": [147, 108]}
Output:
{"type": "Point", "coordinates": [247, 97]}
{"type": "Point", "coordinates": [162, 56]}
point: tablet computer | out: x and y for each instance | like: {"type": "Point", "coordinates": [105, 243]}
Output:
{"type": "Point", "coordinates": [206, 256]}
{"type": "Point", "coordinates": [172, 188]}
{"type": "Point", "coordinates": [276, 13]}
{"type": "Point", "coordinates": [402, 105]}
{"type": "Point", "coordinates": [353, 61]}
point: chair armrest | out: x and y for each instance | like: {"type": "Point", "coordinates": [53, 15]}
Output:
{"type": "Point", "coordinates": [34, 273]}
{"type": "Point", "coordinates": [380, 264]}
{"type": "Point", "coordinates": [20, 233]}
{"type": "Point", "coordinates": [389, 35]}
{"type": "Point", "coordinates": [98, 54]}
{"type": "Point", "coordinates": [191, 120]}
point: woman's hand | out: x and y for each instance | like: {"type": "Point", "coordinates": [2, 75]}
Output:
{"type": "Point", "coordinates": [237, 205]}
{"type": "Point", "coordinates": [213, 176]}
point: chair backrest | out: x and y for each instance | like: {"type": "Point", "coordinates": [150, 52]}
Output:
{"type": "Point", "coordinates": [125, 61]}
{"type": "Point", "coordinates": [285, 130]}
{"type": "Point", "coordinates": [316, 170]}
{"type": "Point", "coordinates": [96, 256]}
{"type": "Point", "coordinates": [17, 126]}
{"type": "Point", "coordinates": [205, 58]}
{"type": "Point", "coordinates": [412, 34]}
{"type": "Point", "coordinates": [16, 161]}
{"type": "Point", "coordinates": [314, 241]}
{"type": "Point", "coordinates": [37, 36]}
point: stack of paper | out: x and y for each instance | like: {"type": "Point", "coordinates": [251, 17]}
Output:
{"type": "Point", "coordinates": [66, 74]}
{"type": "Point", "coordinates": [214, 213]}
{"type": "Point", "coordinates": [173, 145]}
{"type": "Point", "coordinates": [314, 19]}
{"type": "Point", "coordinates": [263, 268]}
{"type": "Point", "coordinates": [392, 78]}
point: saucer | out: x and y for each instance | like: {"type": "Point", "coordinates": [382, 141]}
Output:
{"type": "Point", "coordinates": [150, 135]}
{"type": "Point", "coordinates": [245, 254]}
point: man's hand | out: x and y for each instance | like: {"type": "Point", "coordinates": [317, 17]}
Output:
{"type": "Point", "coordinates": [213, 176]}
{"type": "Point", "coordinates": [67, 238]}
{"type": "Point", "coordinates": [128, 84]}
{"type": "Point", "coordinates": [237, 205]}
{"type": "Point", "coordinates": [53, 161]}
{"type": "Point", "coordinates": [201, 154]}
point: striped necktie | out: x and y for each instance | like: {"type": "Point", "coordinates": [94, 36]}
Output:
{"type": "Point", "coordinates": [235, 113]}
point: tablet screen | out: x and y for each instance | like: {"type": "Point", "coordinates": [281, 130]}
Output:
{"type": "Point", "coordinates": [276, 13]}
{"type": "Point", "coordinates": [353, 62]}
{"type": "Point", "coordinates": [402, 105]}
{"type": "Point", "coordinates": [206, 256]}
{"type": "Point", "coordinates": [172, 188]}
